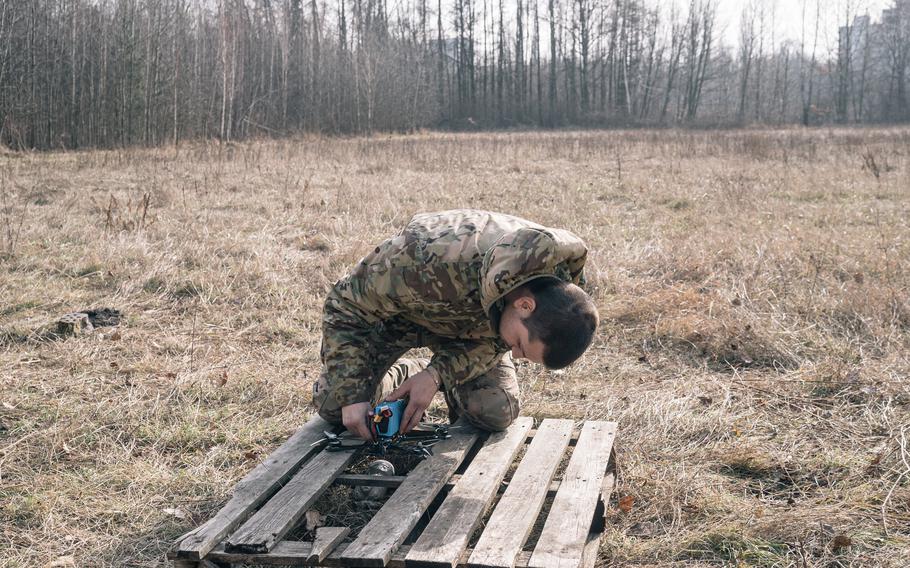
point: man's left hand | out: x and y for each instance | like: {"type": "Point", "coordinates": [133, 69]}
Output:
{"type": "Point", "coordinates": [420, 390]}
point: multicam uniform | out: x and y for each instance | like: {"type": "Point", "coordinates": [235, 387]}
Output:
{"type": "Point", "coordinates": [440, 283]}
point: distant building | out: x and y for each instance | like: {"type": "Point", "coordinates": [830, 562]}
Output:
{"type": "Point", "coordinates": [874, 53]}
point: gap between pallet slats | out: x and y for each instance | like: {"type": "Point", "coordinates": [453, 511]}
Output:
{"type": "Point", "coordinates": [392, 481]}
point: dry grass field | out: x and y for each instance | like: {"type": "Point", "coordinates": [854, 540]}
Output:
{"type": "Point", "coordinates": [755, 347]}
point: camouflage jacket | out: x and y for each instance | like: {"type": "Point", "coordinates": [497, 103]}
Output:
{"type": "Point", "coordinates": [445, 273]}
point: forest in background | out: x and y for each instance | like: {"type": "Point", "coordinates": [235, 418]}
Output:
{"type": "Point", "coordinates": [106, 73]}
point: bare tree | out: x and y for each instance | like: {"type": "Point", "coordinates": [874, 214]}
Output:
{"type": "Point", "coordinates": [844, 65]}
{"type": "Point", "coordinates": [700, 35]}
{"type": "Point", "coordinates": [551, 91]}
{"type": "Point", "coordinates": [677, 38]}
{"type": "Point", "coordinates": [896, 23]}
{"type": "Point", "coordinates": [585, 10]}
{"type": "Point", "coordinates": [746, 48]}
{"type": "Point", "coordinates": [652, 65]}
{"type": "Point", "coordinates": [760, 58]}
{"type": "Point", "coordinates": [807, 72]}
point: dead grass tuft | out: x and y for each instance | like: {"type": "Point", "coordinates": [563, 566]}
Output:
{"type": "Point", "coordinates": [699, 323]}
{"type": "Point", "coordinates": [746, 461]}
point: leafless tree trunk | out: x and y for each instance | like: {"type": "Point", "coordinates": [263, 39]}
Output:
{"type": "Point", "coordinates": [585, 10]}
{"type": "Point", "coordinates": [677, 37]}
{"type": "Point", "coordinates": [746, 47]}
{"type": "Point", "coordinates": [897, 49]}
{"type": "Point", "coordinates": [551, 75]}
{"type": "Point", "coordinates": [540, 115]}
{"type": "Point", "coordinates": [807, 76]}
{"type": "Point", "coordinates": [702, 16]}
{"type": "Point", "coordinates": [760, 59]}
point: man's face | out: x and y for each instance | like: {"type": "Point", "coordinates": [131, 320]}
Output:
{"type": "Point", "coordinates": [513, 331]}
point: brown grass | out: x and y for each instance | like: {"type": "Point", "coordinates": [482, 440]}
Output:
{"type": "Point", "coordinates": [755, 344]}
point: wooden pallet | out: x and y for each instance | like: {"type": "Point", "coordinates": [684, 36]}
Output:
{"type": "Point", "coordinates": [467, 470]}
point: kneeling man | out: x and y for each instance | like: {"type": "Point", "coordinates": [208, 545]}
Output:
{"type": "Point", "coordinates": [478, 289]}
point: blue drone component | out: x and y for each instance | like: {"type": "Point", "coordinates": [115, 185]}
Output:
{"type": "Point", "coordinates": [387, 418]}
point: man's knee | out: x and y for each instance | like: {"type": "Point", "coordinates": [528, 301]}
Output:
{"type": "Point", "coordinates": [491, 401]}
{"type": "Point", "coordinates": [491, 408]}
{"type": "Point", "coordinates": [325, 403]}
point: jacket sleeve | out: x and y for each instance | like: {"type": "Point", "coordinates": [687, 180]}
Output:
{"type": "Point", "coordinates": [459, 361]}
{"type": "Point", "coordinates": [354, 311]}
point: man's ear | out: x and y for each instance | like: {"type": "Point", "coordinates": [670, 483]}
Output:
{"type": "Point", "coordinates": [525, 305]}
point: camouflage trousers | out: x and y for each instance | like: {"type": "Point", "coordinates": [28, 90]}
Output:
{"type": "Point", "coordinates": [490, 401]}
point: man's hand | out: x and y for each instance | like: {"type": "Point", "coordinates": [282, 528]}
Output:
{"type": "Point", "coordinates": [355, 418]}
{"type": "Point", "coordinates": [420, 390]}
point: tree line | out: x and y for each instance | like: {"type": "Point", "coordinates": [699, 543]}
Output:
{"type": "Point", "coordinates": [103, 73]}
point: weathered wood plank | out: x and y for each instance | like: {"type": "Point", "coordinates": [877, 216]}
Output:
{"type": "Point", "coordinates": [514, 515]}
{"type": "Point", "coordinates": [255, 488]}
{"type": "Point", "coordinates": [290, 553]}
{"type": "Point", "coordinates": [285, 553]}
{"type": "Point", "coordinates": [327, 538]}
{"type": "Point", "coordinates": [444, 540]}
{"type": "Point", "coordinates": [572, 440]}
{"type": "Point", "coordinates": [390, 526]}
{"type": "Point", "coordinates": [565, 532]}
{"type": "Point", "coordinates": [285, 508]}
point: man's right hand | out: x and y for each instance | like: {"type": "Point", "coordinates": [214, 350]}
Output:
{"type": "Point", "coordinates": [355, 418]}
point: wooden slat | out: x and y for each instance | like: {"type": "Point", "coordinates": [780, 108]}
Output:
{"type": "Point", "coordinates": [285, 508]}
{"type": "Point", "coordinates": [291, 553]}
{"type": "Point", "coordinates": [565, 532]}
{"type": "Point", "coordinates": [327, 538]}
{"type": "Point", "coordinates": [285, 553]}
{"type": "Point", "coordinates": [446, 537]}
{"type": "Point", "coordinates": [255, 488]}
{"type": "Point", "coordinates": [514, 515]}
{"type": "Point", "coordinates": [390, 526]}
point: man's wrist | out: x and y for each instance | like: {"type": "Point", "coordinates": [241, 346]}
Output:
{"type": "Point", "coordinates": [434, 374]}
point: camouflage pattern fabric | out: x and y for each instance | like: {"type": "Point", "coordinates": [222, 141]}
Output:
{"type": "Point", "coordinates": [439, 283]}
{"type": "Point", "coordinates": [489, 401]}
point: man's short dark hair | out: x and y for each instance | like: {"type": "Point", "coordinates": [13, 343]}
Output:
{"type": "Point", "coordinates": [564, 319]}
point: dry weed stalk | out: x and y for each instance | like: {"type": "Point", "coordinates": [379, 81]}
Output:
{"type": "Point", "coordinates": [11, 219]}
{"type": "Point", "coordinates": [129, 216]}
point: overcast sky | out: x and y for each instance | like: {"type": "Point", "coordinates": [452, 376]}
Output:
{"type": "Point", "coordinates": [789, 16]}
